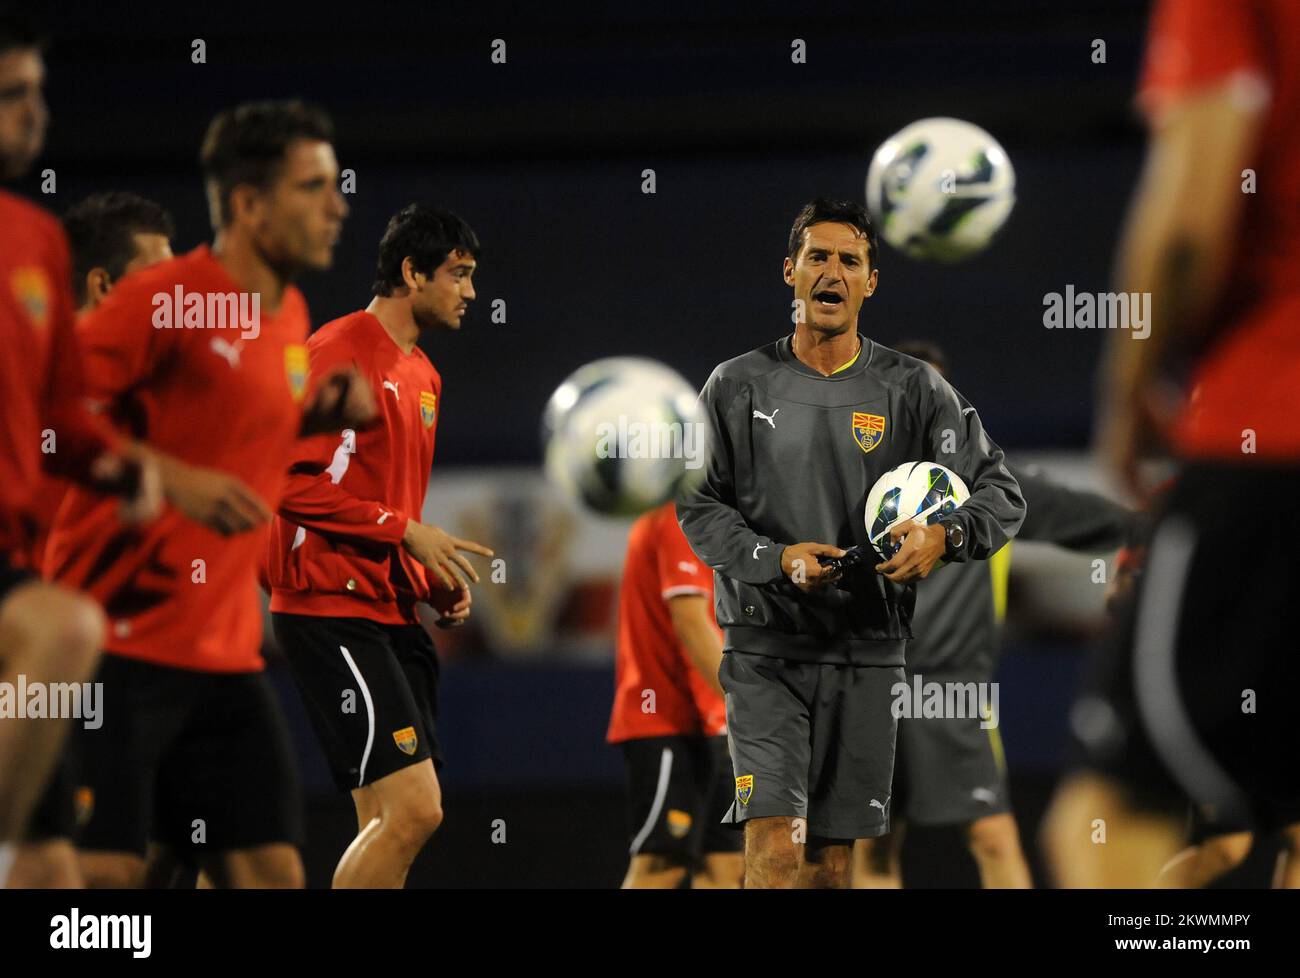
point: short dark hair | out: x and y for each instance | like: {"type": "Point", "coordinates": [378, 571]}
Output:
{"type": "Point", "coordinates": [427, 236]}
{"type": "Point", "coordinates": [823, 210]}
{"type": "Point", "coordinates": [931, 353]}
{"type": "Point", "coordinates": [100, 230]}
{"type": "Point", "coordinates": [246, 145]}
{"type": "Point", "coordinates": [19, 32]}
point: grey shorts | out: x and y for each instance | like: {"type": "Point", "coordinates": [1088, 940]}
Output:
{"type": "Point", "coordinates": [949, 770]}
{"type": "Point", "coordinates": [811, 740]}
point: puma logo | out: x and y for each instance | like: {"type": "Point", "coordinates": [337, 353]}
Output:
{"type": "Point", "coordinates": [759, 546]}
{"type": "Point", "coordinates": [769, 418]}
{"type": "Point", "coordinates": [392, 386]}
{"type": "Point", "coordinates": [985, 795]}
{"type": "Point", "coordinates": [876, 804]}
{"type": "Point", "coordinates": [227, 351]}
{"type": "Point", "coordinates": [688, 567]}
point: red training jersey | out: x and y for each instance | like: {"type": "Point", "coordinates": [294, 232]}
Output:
{"type": "Point", "coordinates": [659, 566]}
{"type": "Point", "coordinates": [1250, 377]}
{"type": "Point", "coordinates": [176, 593]}
{"type": "Point", "coordinates": [44, 424]}
{"type": "Point", "coordinates": [335, 548]}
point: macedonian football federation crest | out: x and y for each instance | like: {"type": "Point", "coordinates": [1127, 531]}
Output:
{"type": "Point", "coordinates": [32, 290]}
{"type": "Point", "coordinates": [868, 429]}
{"type": "Point", "coordinates": [428, 408]}
{"type": "Point", "coordinates": [405, 740]}
{"type": "Point", "coordinates": [679, 823]}
{"type": "Point", "coordinates": [295, 369]}
{"type": "Point", "coordinates": [744, 788]}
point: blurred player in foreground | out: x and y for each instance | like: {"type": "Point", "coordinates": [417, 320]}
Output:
{"type": "Point", "coordinates": [669, 717]}
{"type": "Point", "coordinates": [110, 235]}
{"type": "Point", "coordinates": [952, 770]}
{"type": "Point", "coordinates": [1194, 696]}
{"type": "Point", "coordinates": [349, 559]}
{"type": "Point", "coordinates": [802, 429]}
{"type": "Point", "coordinates": [49, 634]}
{"type": "Point", "coordinates": [203, 356]}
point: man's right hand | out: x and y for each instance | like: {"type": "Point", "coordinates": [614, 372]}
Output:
{"type": "Point", "coordinates": [438, 550]}
{"type": "Point", "coordinates": [799, 563]}
{"type": "Point", "coordinates": [213, 498]}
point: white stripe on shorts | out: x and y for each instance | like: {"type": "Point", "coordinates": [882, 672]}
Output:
{"type": "Point", "coordinates": [661, 791]}
{"type": "Point", "coordinates": [370, 716]}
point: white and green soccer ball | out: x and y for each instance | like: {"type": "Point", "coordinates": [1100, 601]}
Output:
{"type": "Point", "coordinates": [623, 435]}
{"type": "Point", "coordinates": [940, 189]}
{"type": "Point", "coordinates": [918, 491]}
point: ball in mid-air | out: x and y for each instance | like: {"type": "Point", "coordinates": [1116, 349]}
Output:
{"type": "Point", "coordinates": [919, 491]}
{"type": "Point", "coordinates": [623, 435]}
{"type": "Point", "coordinates": [940, 189]}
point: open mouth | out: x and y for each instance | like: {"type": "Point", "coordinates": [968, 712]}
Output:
{"type": "Point", "coordinates": [827, 298]}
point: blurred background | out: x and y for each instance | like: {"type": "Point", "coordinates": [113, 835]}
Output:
{"type": "Point", "coordinates": [545, 155]}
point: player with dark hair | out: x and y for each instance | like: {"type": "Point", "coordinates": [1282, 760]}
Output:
{"type": "Point", "coordinates": [112, 234]}
{"type": "Point", "coordinates": [952, 770]}
{"type": "Point", "coordinates": [203, 356]}
{"type": "Point", "coordinates": [48, 633]}
{"type": "Point", "coordinates": [349, 559]}
{"type": "Point", "coordinates": [669, 717]}
{"type": "Point", "coordinates": [1193, 696]}
{"type": "Point", "coordinates": [125, 233]}
{"type": "Point", "coordinates": [802, 429]}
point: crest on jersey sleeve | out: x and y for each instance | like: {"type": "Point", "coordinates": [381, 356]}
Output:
{"type": "Point", "coordinates": [744, 788]}
{"type": "Point", "coordinates": [428, 408]}
{"type": "Point", "coordinates": [31, 288]}
{"type": "Point", "coordinates": [295, 369]}
{"type": "Point", "coordinates": [868, 430]}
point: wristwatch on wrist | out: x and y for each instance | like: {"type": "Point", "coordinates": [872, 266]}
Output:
{"type": "Point", "coordinates": [954, 538]}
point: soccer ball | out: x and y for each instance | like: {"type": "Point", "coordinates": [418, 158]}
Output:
{"type": "Point", "coordinates": [623, 435]}
{"type": "Point", "coordinates": [920, 491]}
{"type": "Point", "coordinates": [940, 189]}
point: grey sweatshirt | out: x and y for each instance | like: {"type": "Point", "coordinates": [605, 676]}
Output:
{"type": "Point", "coordinates": [793, 455]}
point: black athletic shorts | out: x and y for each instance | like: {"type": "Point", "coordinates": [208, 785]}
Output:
{"type": "Point", "coordinates": [811, 740]}
{"type": "Point", "coordinates": [1194, 696]}
{"type": "Point", "coordinates": [200, 761]}
{"type": "Point", "coordinates": [678, 789]}
{"type": "Point", "coordinates": [949, 770]}
{"type": "Point", "coordinates": [370, 689]}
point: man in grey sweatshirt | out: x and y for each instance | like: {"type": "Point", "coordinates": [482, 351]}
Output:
{"type": "Point", "coordinates": [800, 431]}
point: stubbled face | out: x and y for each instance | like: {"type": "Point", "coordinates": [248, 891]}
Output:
{"type": "Point", "coordinates": [439, 301]}
{"type": "Point", "coordinates": [150, 249]}
{"type": "Point", "coordinates": [831, 276]}
{"type": "Point", "coordinates": [297, 220]}
{"type": "Point", "coordinates": [23, 115]}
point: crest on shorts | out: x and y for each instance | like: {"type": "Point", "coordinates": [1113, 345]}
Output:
{"type": "Point", "coordinates": [32, 290]}
{"type": "Point", "coordinates": [84, 805]}
{"type": "Point", "coordinates": [428, 407]}
{"type": "Point", "coordinates": [295, 369]}
{"type": "Point", "coordinates": [679, 823]}
{"type": "Point", "coordinates": [868, 430]}
{"type": "Point", "coordinates": [405, 740]}
{"type": "Point", "coordinates": [744, 788]}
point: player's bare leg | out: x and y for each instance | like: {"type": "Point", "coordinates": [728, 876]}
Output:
{"type": "Point", "coordinates": [772, 856]}
{"type": "Point", "coordinates": [274, 866]}
{"type": "Point", "coordinates": [720, 871]}
{"type": "Point", "coordinates": [1288, 868]}
{"type": "Point", "coordinates": [47, 634]}
{"type": "Point", "coordinates": [113, 870]}
{"type": "Point", "coordinates": [1094, 839]}
{"type": "Point", "coordinates": [651, 871]}
{"type": "Point", "coordinates": [826, 864]}
{"type": "Point", "coordinates": [1200, 865]}
{"type": "Point", "coordinates": [409, 812]}
{"type": "Point", "coordinates": [47, 865]}
{"type": "Point", "coordinates": [994, 841]}
{"type": "Point", "coordinates": [877, 863]}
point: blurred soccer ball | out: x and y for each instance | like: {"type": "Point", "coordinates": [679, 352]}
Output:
{"type": "Point", "coordinates": [921, 491]}
{"type": "Point", "coordinates": [940, 189]}
{"type": "Point", "coordinates": [623, 435]}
